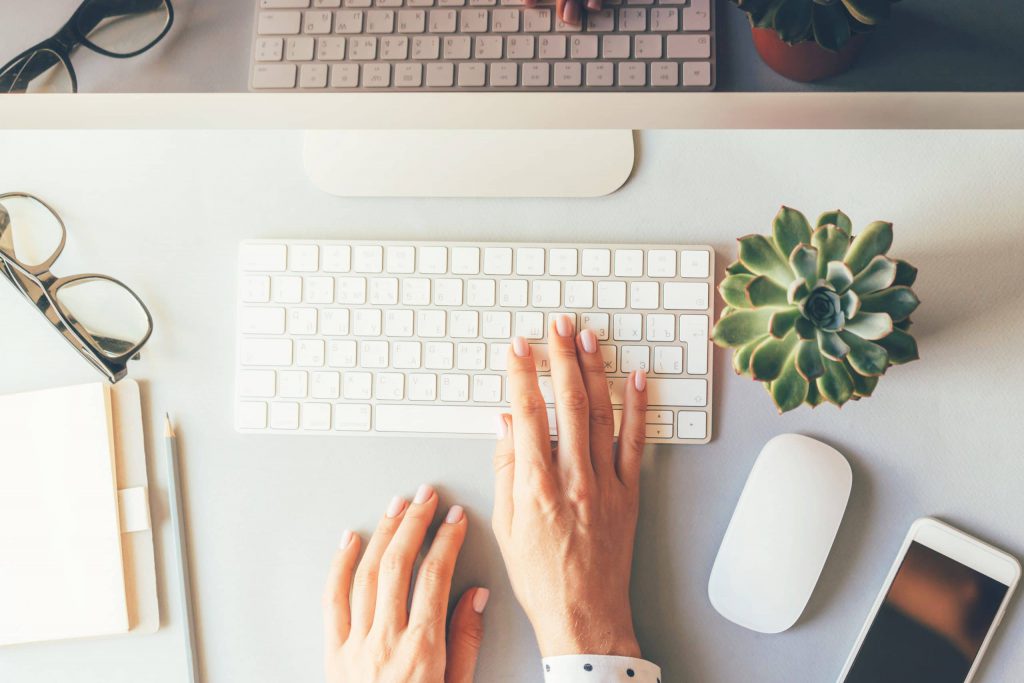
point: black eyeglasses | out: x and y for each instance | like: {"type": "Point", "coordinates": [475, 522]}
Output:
{"type": "Point", "coordinates": [102, 318]}
{"type": "Point", "coordinates": [115, 28]}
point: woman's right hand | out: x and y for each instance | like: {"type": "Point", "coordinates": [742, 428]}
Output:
{"type": "Point", "coordinates": [565, 517]}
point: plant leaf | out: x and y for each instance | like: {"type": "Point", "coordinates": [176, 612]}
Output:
{"type": "Point", "coordinates": [878, 274]}
{"type": "Point", "coordinates": [837, 217]}
{"type": "Point", "coordinates": [866, 358]}
{"type": "Point", "coordinates": [741, 326]}
{"type": "Point", "coordinates": [839, 276]}
{"type": "Point", "coordinates": [905, 273]}
{"type": "Point", "coordinates": [793, 20]}
{"type": "Point", "coordinates": [901, 347]}
{"type": "Point", "coordinates": [770, 357]}
{"type": "Point", "coordinates": [789, 229]}
{"type": "Point", "coordinates": [831, 345]}
{"type": "Point", "coordinates": [862, 386]}
{"type": "Point", "coordinates": [832, 244]}
{"type": "Point", "coordinates": [898, 302]}
{"type": "Point", "coordinates": [836, 384]}
{"type": "Point", "coordinates": [790, 389]}
{"type": "Point", "coordinates": [741, 356]}
{"type": "Point", "coordinates": [763, 291]}
{"type": "Point", "coordinates": [737, 268]}
{"type": "Point", "coordinates": [804, 262]}
{"type": "Point", "coordinates": [761, 257]}
{"type": "Point", "coordinates": [870, 325]}
{"type": "Point", "coordinates": [872, 241]}
{"type": "Point", "coordinates": [849, 302]}
{"type": "Point", "coordinates": [805, 329]}
{"type": "Point", "coordinates": [814, 397]}
{"type": "Point", "coordinates": [734, 290]}
{"type": "Point", "coordinates": [808, 360]}
{"type": "Point", "coordinates": [782, 321]}
{"type": "Point", "coordinates": [868, 12]}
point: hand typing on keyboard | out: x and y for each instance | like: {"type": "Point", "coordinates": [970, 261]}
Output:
{"type": "Point", "coordinates": [565, 517]}
{"type": "Point", "coordinates": [371, 633]}
{"type": "Point", "coordinates": [571, 11]}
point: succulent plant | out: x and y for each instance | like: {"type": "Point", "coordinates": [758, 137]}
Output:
{"type": "Point", "coordinates": [829, 22]}
{"type": "Point", "coordinates": [817, 315]}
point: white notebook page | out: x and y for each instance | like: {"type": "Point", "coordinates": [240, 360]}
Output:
{"type": "Point", "coordinates": [61, 569]}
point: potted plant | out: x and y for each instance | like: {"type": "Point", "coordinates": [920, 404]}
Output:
{"type": "Point", "coordinates": [807, 40]}
{"type": "Point", "coordinates": [817, 314]}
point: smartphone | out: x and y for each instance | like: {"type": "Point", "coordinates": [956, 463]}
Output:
{"type": "Point", "coordinates": [935, 615]}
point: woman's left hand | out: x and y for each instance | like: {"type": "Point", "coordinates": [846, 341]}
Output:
{"type": "Point", "coordinates": [372, 635]}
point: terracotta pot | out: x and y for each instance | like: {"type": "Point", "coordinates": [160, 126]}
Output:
{"type": "Point", "coordinates": [806, 61]}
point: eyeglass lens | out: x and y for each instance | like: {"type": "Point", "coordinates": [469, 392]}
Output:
{"type": "Point", "coordinates": [107, 311]}
{"type": "Point", "coordinates": [123, 26]}
{"type": "Point", "coordinates": [29, 232]}
{"type": "Point", "coordinates": [37, 72]}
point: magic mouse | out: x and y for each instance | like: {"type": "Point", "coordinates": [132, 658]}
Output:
{"type": "Point", "coordinates": [780, 534]}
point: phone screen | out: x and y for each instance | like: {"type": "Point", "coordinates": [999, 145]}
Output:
{"type": "Point", "coordinates": [931, 624]}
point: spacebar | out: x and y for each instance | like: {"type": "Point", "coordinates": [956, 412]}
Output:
{"type": "Point", "coordinates": [437, 419]}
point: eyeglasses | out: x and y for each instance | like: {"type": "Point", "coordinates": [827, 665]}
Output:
{"type": "Point", "coordinates": [102, 318]}
{"type": "Point", "coordinates": [115, 28]}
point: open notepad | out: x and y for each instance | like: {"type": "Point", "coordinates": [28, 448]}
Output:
{"type": "Point", "coordinates": [76, 546]}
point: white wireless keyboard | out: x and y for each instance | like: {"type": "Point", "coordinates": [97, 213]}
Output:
{"type": "Point", "coordinates": [412, 338]}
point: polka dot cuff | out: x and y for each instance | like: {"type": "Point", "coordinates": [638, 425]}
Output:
{"type": "Point", "coordinates": [599, 669]}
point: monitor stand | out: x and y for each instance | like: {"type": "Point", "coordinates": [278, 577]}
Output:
{"type": "Point", "coordinates": [469, 163]}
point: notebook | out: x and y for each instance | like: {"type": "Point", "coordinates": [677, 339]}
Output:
{"type": "Point", "coordinates": [76, 543]}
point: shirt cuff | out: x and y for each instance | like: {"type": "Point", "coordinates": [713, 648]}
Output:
{"type": "Point", "coordinates": [599, 669]}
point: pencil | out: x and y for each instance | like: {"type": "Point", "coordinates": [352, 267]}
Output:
{"type": "Point", "coordinates": [180, 548]}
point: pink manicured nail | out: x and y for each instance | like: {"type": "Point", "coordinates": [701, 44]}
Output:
{"type": "Point", "coordinates": [589, 341]}
{"type": "Point", "coordinates": [423, 494]}
{"type": "Point", "coordinates": [520, 347]}
{"type": "Point", "coordinates": [480, 600]}
{"type": "Point", "coordinates": [395, 507]}
{"type": "Point", "coordinates": [346, 539]}
{"type": "Point", "coordinates": [594, 5]}
{"type": "Point", "coordinates": [564, 326]}
{"type": "Point", "coordinates": [455, 514]}
{"type": "Point", "coordinates": [571, 12]}
{"type": "Point", "coordinates": [640, 380]}
{"type": "Point", "coordinates": [500, 427]}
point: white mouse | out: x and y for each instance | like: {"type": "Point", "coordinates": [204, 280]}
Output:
{"type": "Point", "coordinates": [780, 534]}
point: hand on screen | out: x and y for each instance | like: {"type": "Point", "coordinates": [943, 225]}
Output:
{"type": "Point", "coordinates": [372, 634]}
{"type": "Point", "coordinates": [565, 517]}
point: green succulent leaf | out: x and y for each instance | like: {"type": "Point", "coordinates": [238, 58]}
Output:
{"type": "Point", "coordinates": [804, 261]}
{"type": "Point", "coordinates": [770, 356]}
{"type": "Point", "coordinates": [741, 326]}
{"type": "Point", "coordinates": [867, 358]}
{"type": "Point", "coordinates": [832, 244]}
{"type": "Point", "coordinates": [906, 274]}
{"type": "Point", "coordinates": [741, 356]}
{"type": "Point", "coordinates": [789, 229]}
{"type": "Point", "coordinates": [837, 217]}
{"type": "Point", "coordinates": [898, 302]}
{"type": "Point", "coordinates": [737, 268]}
{"type": "Point", "coordinates": [836, 384]}
{"type": "Point", "coordinates": [872, 241]}
{"type": "Point", "coordinates": [814, 397]}
{"type": "Point", "coordinates": [878, 274]}
{"type": "Point", "coordinates": [808, 360]}
{"type": "Point", "coordinates": [902, 324]}
{"type": "Point", "coordinates": [831, 345]}
{"type": "Point", "coordinates": [782, 321]}
{"type": "Point", "coordinates": [797, 292]}
{"type": "Point", "coordinates": [839, 275]}
{"type": "Point", "coordinates": [870, 325]}
{"type": "Point", "coordinates": [862, 386]}
{"type": "Point", "coordinates": [761, 257]}
{"type": "Point", "coordinates": [734, 289]}
{"type": "Point", "coordinates": [805, 329]}
{"type": "Point", "coordinates": [793, 20]}
{"type": "Point", "coordinates": [763, 291]}
{"type": "Point", "coordinates": [790, 389]}
{"type": "Point", "coordinates": [850, 303]}
{"type": "Point", "coordinates": [868, 12]}
{"type": "Point", "coordinates": [762, 12]}
{"type": "Point", "coordinates": [901, 347]}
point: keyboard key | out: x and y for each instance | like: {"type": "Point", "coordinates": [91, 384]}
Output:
{"type": "Point", "coordinates": [553, 47]}
{"type": "Point", "coordinates": [316, 22]}
{"type": "Point", "coordinates": [692, 425]}
{"type": "Point", "coordinates": [348, 21]}
{"type": "Point", "coordinates": [661, 327]}
{"type": "Point", "coordinates": [583, 47]}
{"type": "Point", "coordinates": [439, 356]}
{"type": "Point", "coordinates": [635, 358]}
{"type": "Point", "coordinates": [658, 431]}
{"type": "Point", "coordinates": [633, 74]}
{"type": "Point", "coordinates": [529, 261]}
{"type": "Point", "coordinates": [292, 384]}
{"type": "Point", "coordinates": [283, 4]}
{"type": "Point", "coordinates": [408, 75]}
{"type": "Point", "coordinates": [643, 295]}
{"type": "Point", "coordinates": [520, 47]}
{"type": "Point", "coordinates": [615, 47]}
{"type": "Point", "coordinates": [266, 76]}
{"type": "Point", "coordinates": [497, 261]}
{"type": "Point", "coordinates": [412, 21]}
{"type": "Point", "coordinates": [481, 293]}
{"type": "Point", "coordinates": [422, 387]}
{"type": "Point", "coordinates": [341, 353]}
{"type": "Point", "coordinates": [316, 416]}
{"type": "Point", "coordinates": [648, 47]}
{"type": "Point", "coordinates": [398, 323]}
{"type": "Point", "coordinates": [334, 322]}
{"type": "Point", "coordinates": [269, 49]}
{"type": "Point", "coordinates": [350, 290]}
{"type": "Point", "coordinates": [632, 20]}
{"type": "Point", "coordinates": [504, 75]}
{"type": "Point", "coordinates": [529, 325]}
{"type": "Point", "coordinates": [366, 322]}
{"type": "Point", "coordinates": [416, 291]}
{"type": "Point", "coordinates": [579, 294]}
{"type": "Point", "coordinates": [668, 360]}
{"type": "Point", "coordinates": [665, 74]}
{"type": "Point", "coordinates": [568, 74]}
{"type": "Point", "coordinates": [440, 75]}
{"type": "Point", "coordinates": [536, 75]}
{"type": "Point", "coordinates": [380, 21]}
{"type": "Point", "coordinates": [487, 388]}
{"type": "Point", "coordinates": [611, 294]}
{"type": "Point", "coordinates": [362, 49]}
{"type": "Point", "coordinates": [536, 20]}
{"type": "Point", "coordinates": [325, 384]}
{"type": "Point", "coordinates": [442, 20]}
{"type": "Point", "coordinates": [600, 74]}
{"type": "Point", "coordinates": [358, 385]}
{"type": "Point", "coordinates": [603, 21]}
{"type": "Point", "coordinates": [252, 415]}
{"type": "Point", "coordinates": [301, 321]}
{"type": "Point", "coordinates": [454, 388]}
{"type": "Point", "coordinates": [473, 21]}
{"type": "Point", "coordinates": [471, 356]}
{"type": "Point", "coordinates": [627, 327]}
{"type": "Point", "coordinates": [597, 323]}
{"type": "Point", "coordinates": [390, 386]}
{"type": "Point", "coordinates": [547, 294]}
{"type": "Point", "coordinates": [697, 17]}
{"type": "Point", "coordinates": [279, 23]}
{"type": "Point", "coordinates": [394, 48]}
{"type": "Point", "coordinates": [505, 20]}
{"type": "Point", "coordinates": [681, 296]}
{"type": "Point", "coordinates": [693, 329]}
{"type": "Point", "coordinates": [257, 383]}
{"type": "Point", "coordinates": [682, 46]}
{"type": "Point", "coordinates": [262, 320]}
{"type": "Point", "coordinates": [309, 353]}
{"type": "Point", "coordinates": [665, 392]}
{"type": "Point", "coordinates": [661, 263]}
{"type": "Point", "coordinates": [266, 352]}
{"type": "Point", "coordinates": [456, 47]}
{"type": "Point", "coordinates": [430, 323]}
{"type": "Point", "coordinates": [344, 76]}
{"type": "Point", "coordinates": [284, 415]}
{"type": "Point", "coordinates": [665, 19]}
{"type": "Point", "coordinates": [660, 417]}
{"type": "Point", "coordinates": [350, 417]}
{"type": "Point", "coordinates": [299, 49]}
{"type": "Point", "coordinates": [694, 264]}
{"type": "Point", "coordinates": [629, 263]}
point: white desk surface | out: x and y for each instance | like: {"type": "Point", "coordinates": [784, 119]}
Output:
{"type": "Point", "coordinates": [165, 211]}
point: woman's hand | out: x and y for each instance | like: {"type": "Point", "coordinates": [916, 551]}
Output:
{"type": "Point", "coordinates": [566, 517]}
{"type": "Point", "coordinates": [571, 11]}
{"type": "Point", "coordinates": [374, 636]}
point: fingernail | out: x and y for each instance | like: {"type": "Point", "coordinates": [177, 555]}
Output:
{"type": "Point", "coordinates": [501, 427]}
{"type": "Point", "coordinates": [395, 507]}
{"type": "Point", "coordinates": [520, 347]}
{"type": "Point", "coordinates": [564, 326]}
{"type": "Point", "coordinates": [594, 5]}
{"type": "Point", "coordinates": [480, 600]}
{"type": "Point", "coordinates": [571, 12]}
{"type": "Point", "coordinates": [640, 380]}
{"type": "Point", "coordinates": [589, 340]}
{"type": "Point", "coordinates": [423, 494]}
{"type": "Point", "coordinates": [346, 539]}
{"type": "Point", "coordinates": [455, 514]}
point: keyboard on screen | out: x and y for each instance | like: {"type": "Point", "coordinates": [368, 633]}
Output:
{"type": "Point", "coordinates": [481, 45]}
{"type": "Point", "coordinates": [358, 338]}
